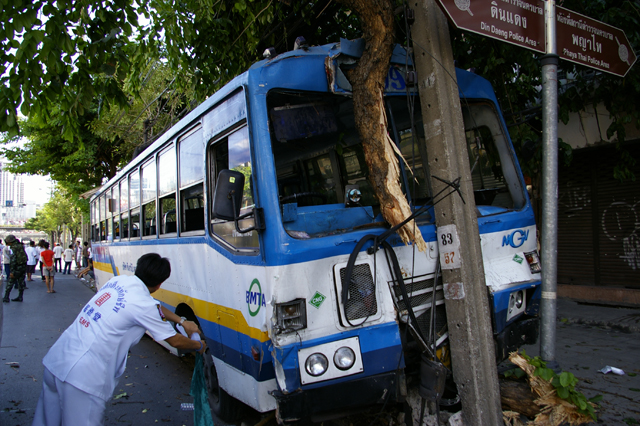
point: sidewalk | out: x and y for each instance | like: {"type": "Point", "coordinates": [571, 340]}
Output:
{"type": "Point", "coordinates": [588, 338]}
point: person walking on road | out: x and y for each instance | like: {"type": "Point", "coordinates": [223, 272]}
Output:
{"type": "Point", "coordinates": [83, 367]}
{"type": "Point", "coordinates": [47, 257]}
{"type": "Point", "coordinates": [6, 258]}
{"type": "Point", "coordinates": [68, 258]}
{"type": "Point", "coordinates": [57, 251]}
{"type": "Point", "coordinates": [17, 268]}
{"type": "Point", "coordinates": [33, 255]}
{"type": "Point", "coordinates": [85, 255]}
{"type": "Point", "coordinates": [41, 244]}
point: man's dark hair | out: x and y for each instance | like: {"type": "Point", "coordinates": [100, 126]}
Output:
{"type": "Point", "coordinates": [86, 243]}
{"type": "Point", "coordinates": [70, 246]}
{"type": "Point", "coordinates": [153, 269]}
{"type": "Point", "coordinates": [32, 243]}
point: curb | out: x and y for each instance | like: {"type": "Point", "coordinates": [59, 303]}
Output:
{"type": "Point", "coordinates": [626, 328]}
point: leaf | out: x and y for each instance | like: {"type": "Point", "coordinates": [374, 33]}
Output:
{"type": "Point", "coordinates": [562, 392]}
{"type": "Point", "coordinates": [121, 395]}
{"type": "Point", "coordinates": [596, 399]}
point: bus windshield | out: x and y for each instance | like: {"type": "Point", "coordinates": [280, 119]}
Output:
{"type": "Point", "coordinates": [319, 158]}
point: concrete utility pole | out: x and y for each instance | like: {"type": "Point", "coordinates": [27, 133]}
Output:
{"type": "Point", "coordinates": [473, 354]}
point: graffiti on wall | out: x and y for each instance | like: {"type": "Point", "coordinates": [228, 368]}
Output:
{"type": "Point", "coordinates": [620, 223]}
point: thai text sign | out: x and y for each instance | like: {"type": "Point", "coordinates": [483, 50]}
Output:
{"type": "Point", "coordinates": [595, 44]}
{"type": "Point", "coordinates": [518, 22]}
{"type": "Point", "coordinates": [579, 39]}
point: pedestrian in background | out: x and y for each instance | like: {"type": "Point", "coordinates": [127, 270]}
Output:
{"type": "Point", "coordinates": [6, 259]}
{"type": "Point", "coordinates": [33, 255]}
{"type": "Point", "coordinates": [68, 258]}
{"type": "Point", "coordinates": [1, 258]}
{"type": "Point", "coordinates": [57, 254]}
{"type": "Point", "coordinates": [18, 268]}
{"type": "Point", "coordinates": [78, 249]}
{"type": "Point", "coordinates": [41, 244]}
{"type": "Point", "coordinates": [47, 257]}
{"type": "Point", "coordinates": [85, 255]}
{"type": "Point", "coordinates": [82, 369]}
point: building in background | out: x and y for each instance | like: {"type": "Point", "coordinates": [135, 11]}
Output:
{"type": "Point", "coordinates": [13, 209]}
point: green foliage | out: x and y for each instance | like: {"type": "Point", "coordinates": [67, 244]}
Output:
{"type": "Point", "coordinates": [565, 384]}
{"type": "Point", "coordinates": [63, 209]}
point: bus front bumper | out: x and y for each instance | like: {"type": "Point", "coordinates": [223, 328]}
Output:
{"type": "Point", "coordinates": [331, 401]}
{"type": "Point", "coordinates": [515, 335]}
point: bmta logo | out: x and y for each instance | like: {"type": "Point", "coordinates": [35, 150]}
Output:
{"type": "Point", "coordinates": [516, 238]}
{"type": "Point", "coordinates": [255, 298]}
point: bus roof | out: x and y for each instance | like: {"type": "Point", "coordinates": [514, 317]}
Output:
{"type": "Point", "coordinates": [469, 86]}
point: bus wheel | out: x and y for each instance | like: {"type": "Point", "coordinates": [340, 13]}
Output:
{"type": "Point", "coordinates": [224, 406]}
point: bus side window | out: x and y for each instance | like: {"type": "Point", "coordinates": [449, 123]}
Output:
{"type": "Point", "coordinates": [191, 177]}
{"type": "Point", "coordinates": [233, 152]}
{"type": "Point", "coordinates": [192, 201]}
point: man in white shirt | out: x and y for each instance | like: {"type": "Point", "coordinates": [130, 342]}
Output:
{"type": "Point", "coordinates": [83, 367]}
{"type": "Point", "coordinates": [33, 255]}
{"type": "Point", "coordinates": [57, 255]}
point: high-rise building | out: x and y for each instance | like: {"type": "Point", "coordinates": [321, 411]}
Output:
{"type": "Point", "coordinates": [11, 188]}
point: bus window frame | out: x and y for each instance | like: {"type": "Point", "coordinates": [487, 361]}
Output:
{"type": "Point", "coordinates": [152, 161]}
{"type": "Point", "coordinates": [212, 177]}
{"type": "Point", "coordinates": [161, 214]}
{"type": "Point", "coordinates": [181, 190]}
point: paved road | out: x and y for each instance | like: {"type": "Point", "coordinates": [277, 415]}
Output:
{"type": "Point", "coordinates": [156, 383]}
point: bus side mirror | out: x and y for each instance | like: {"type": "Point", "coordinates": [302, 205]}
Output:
{"type": "Point", "coordinates": [227, 200]}
{"type": "Point", "coordinates": [227, 197]}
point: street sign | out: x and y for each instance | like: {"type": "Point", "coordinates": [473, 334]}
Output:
{"type": "Point", "coordinates": [579, 38]}
{"type": "Point", "coordinates": [592, 43]}
{"type": "Point", "coordinates": [516, 22]}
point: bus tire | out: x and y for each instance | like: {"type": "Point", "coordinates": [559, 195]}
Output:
{"type": "Point", "coordinates": [223, 405]}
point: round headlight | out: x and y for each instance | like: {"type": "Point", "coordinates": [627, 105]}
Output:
{"type": "Point", "coordinates": [316, 364]}
{"type": "Point", "coordinates": [344, 358]}
{"type": "Point", "coordinates": [519, 299]}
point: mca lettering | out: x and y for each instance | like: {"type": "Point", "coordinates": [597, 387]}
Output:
{"type": "Point", "coordinates": [97, 316]}
{"type": "Point", "coordinates": [516, 239]}
{"type": "Point", "coordinates": [84, 322]}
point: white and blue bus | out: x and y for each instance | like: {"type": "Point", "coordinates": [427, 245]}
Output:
{"type": "Point", "coordinates": [260, 197]}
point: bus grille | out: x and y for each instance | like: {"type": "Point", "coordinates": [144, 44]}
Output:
{"type": "Point", "coordinates": [420, 293]}
{"type": "Point", "coordinates": [361, 302]}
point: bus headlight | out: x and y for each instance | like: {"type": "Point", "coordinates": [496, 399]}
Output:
{"type": "Point", "coordinates": [290, 316]}
{"type": "Point", "coordinates": [344, 358]}
{"type": "Point", "coordinates": [517, 304]}
{"type": "Point", "coordinates": [316, 364]}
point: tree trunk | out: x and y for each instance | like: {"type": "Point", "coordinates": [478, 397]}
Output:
{"type": "Point", "coordinates": [517, 396]}
{"type": "Point", "coordinates": [367, 80]}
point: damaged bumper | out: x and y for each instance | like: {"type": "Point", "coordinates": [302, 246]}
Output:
{"type": "Point", "coordinates": [325, 402]}
{"type": "Point", "coordinates": [515, 335]}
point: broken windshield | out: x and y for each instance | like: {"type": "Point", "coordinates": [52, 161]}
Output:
{"type": "Point", "coordinates": [319, 161]}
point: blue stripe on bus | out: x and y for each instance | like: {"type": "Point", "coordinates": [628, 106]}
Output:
{"type": "Point", "coordinates": [234, 349]}
{"type": "Point", "coordinates": [380, 346]}
{"type": "Point", "coordinates": [300, 251]}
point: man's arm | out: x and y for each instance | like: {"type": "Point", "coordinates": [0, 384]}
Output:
{"type": "Point", "coordinates": [189, 326]}
{"type": "Point", "coordinates": [178, 341]}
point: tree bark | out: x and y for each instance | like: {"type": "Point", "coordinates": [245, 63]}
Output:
{"type": "Point", "coordinates": [517, 396]}
{"type": "Point", "coordinates": [367, 80]}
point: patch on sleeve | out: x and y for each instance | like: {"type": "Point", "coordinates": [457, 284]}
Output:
{"type": "Point", "coordinates": [160, 312]}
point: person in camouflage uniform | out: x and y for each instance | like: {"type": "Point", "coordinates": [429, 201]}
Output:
{"type": "Point", "coordinates": [18, 268]}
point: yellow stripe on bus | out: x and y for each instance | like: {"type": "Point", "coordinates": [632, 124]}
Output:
{"type": "Point", "coordinates": [230, 318]}
{"type": "Point", "coordinates": [104, 267]}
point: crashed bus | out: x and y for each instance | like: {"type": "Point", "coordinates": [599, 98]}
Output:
{"type": "Point", "coordinates": [261, 199]}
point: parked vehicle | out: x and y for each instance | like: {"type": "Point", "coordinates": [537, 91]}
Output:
{"type": "Point", "coordinates": [267, 214]}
